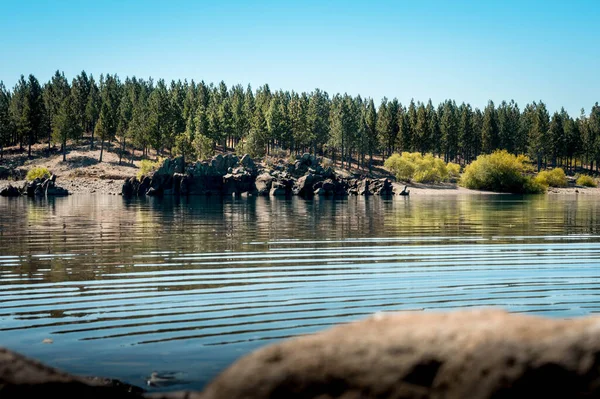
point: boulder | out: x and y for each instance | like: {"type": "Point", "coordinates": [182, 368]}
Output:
{"type": "Point", "coordinates": [467, 354]}
{"type": "Point", "coordinates": [263, 183]}
{"type": "Point", "coordinates": [248, 163]}
{"type": "Point", "coordinates": [304, 185]}
{"type": "Point", "coordinates": [278, 189]}
{"type": "Point", "coordinates": [144, 186]}
{"type": "Point", "coordinates": [238, 182]}
{"type": "Point", "coordinates": [130, 187]}
{"type": "Point", "coordinates": [382, 187]}
{"type": "Point", "coordinates": [10, 191]}
{"type": "Point", "coordinates": [21, 377]}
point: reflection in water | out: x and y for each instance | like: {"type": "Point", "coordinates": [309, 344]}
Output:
{"type": "Point", "coordinates": [184, 287]}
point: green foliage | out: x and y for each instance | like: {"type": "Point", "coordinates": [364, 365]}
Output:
{"type": "Point", "coordinates": [400, 166]}
{"type": "Point", "coordinates": [453, 170]}
{"type": "Point", "coordinates": [586, 181]}
{"type": "Point", "coordinates": [147, 167]}
{"type": "Point", "coordinates": [420, 168]}
{"type": "Point", "coordinates": [501, 172]}
{"type": "Point", "coordinates": [38, 173]}
{"type": "Point", "coordinates": [552, 178]}
{"type": "Point", "coordinates": [203, 147]}
{"type": "Point", "coordinates": [254, 146]}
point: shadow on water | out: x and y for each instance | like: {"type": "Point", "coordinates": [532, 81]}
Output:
{"type": "Point", "coordinates": [127, 287]}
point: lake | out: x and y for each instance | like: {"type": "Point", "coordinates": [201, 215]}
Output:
{"type": "Point", "coordinates": [124, 288]}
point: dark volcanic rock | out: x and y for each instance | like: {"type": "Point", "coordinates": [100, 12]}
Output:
{"type": "Point", "coordinates": [304, 185]}
{"type": "Point", "coordinates": [474, 354]}
{"type": "Point", "coordinates": [10, 191]}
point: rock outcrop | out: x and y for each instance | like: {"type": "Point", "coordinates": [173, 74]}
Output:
{"type": "Point", "coordinates": [10, 191]}
{"type": "Point", "coordinates": [480, 354]}
{"type": "Point", "coordinates": [229, 175]}
{"type": "Point", "coordinates": [36, 188]}
{"type": "Point", "coordinates": [468, 354]}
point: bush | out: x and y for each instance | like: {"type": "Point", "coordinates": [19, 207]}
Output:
{"type": "Point", "coordinates": [501, 172]}
{"type": "Point", "coordinates": [400, 166]}
{"type": "Point", "coordinates": [420, 168]}
{"type": "Point", "coordinates": [38, 173]}
{"type": "Point", "coordinates": [586, 181]}
{"type": "Point", "coordinates": [147, 166]}
{"type": "Point", "coordinates": [453, 170]}
{"type": "Point", "coordinates": [553, 178]}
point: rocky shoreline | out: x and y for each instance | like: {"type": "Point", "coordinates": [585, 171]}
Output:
{"type": "Point", "coordinates": [476, 354]}
{"type": "Point", "coordinates": [37, 188]}
{"type": "Point", "coordinates": [227, 175]}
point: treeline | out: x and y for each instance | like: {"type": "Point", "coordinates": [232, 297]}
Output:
{"type": "Point", "coordinates": [194, 119]}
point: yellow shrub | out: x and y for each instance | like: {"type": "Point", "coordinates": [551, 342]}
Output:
{"type": "Point", "coordinates": [453, 170]}
{"type": "Point", "coordinates": [553, 178]}
{"type": "Point", "coordinates": [415, 166]}
{"type": "Point", "coordinates": [147, 166]}
{"type": "Point", "coordinates": [501, 172]}
{"type": "Point", "coordinates": [38, 172]}
{"type": "Point", "coordinates": [586, 181]}
{"type": "Point", "coordinates": [400, 166]}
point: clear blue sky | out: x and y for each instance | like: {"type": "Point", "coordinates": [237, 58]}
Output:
{"type": "Point", "coordinates": [468, 51]}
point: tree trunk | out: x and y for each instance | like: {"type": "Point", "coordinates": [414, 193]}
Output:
{"type": "Point", "coordinates": [49, 140]}
{"type": "Point", "coordinates": [101, 150]}
{"type": "Point", "coordinates": [64, 150]}
{"type": "Point", "coordinates": [122, 151]}
{"type": "Point", "coordinates": [29, 150]}
{"type": "Point", "coordinates": [92, 140]}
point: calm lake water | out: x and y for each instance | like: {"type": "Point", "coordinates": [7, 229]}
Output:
{"type": "Point", "coordinates": [125, 288]}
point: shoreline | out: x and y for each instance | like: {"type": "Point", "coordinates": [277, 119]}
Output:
{"type": "Point", "coordinates": [103, 186]}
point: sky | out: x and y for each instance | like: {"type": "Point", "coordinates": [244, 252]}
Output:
{"type": "Point", "coordinates": [468, 51]}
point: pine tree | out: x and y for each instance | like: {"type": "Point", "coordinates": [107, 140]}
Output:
{"type": "Point", "coordinates": [318, 118]}
{"type": "Point", "coordinates": [6, 126]}
{"type": "Point", "coordinates": [66, 124]}
{"type": "Point", "coordinates": [54, 94]}
{"type": "Point", "coordinates": [466, 133]}
{"type": "Point", "coordinates": [371, 130]}
{"type": "Point", "coordinates": [538, 133]}
{"type": "Point", "coordinates": [35, 111]}
{"type": "Point", "coordinates": [92, 109]}
{"type": "Point", "coordinates": [489, 130]}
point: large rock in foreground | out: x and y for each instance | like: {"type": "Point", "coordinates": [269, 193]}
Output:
{"type": "Point", "coordinates": [477, 354]}
{"type": "Point", "coordinates": [21, 377]}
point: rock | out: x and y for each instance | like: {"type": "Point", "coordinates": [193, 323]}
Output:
{"type": "Point", "coordinates": [55, 191]}
{"type": "Point", "coordinates": [278, 190]}
{"type": "Point", "coordinates": [328, 186]}
{"type": "Point", "coordinates": [263, 183]}
{"type": "Point", "coordinates": [238, 183]}
{"type": "Point", "coordinates": [10, 191]}
{"type": "Point", "coordinates": [130, 187]}
{"type": "Point", "coordinates": [382, 187]}
{"type": "Point", "coordinates": [21, 377]}
{"type": "Point", "coordinates": [152, 192]}
{"type": "Point", "coordinates": [363, 187]}
{"type": "Point", "coordinates": [248, 163]}
{"type": "Point", "coordinates": [466, 354]}
{"type": "Point", "coordinates": [304, 185]}
{"type": "Point", "coordinates": [144, 186]}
